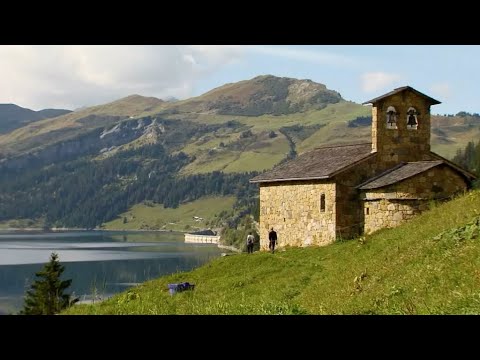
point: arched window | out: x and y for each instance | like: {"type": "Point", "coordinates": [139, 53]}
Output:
{"type": "Point", "coordinates": [391, 118]}
{"type": "Point", "coordinates": [322, 203]}
{"type": "Point", "coordinates": [412, 121]}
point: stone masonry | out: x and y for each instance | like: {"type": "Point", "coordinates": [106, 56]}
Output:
{"type": "Point", "coordinates": [293, 210]}
{"type": "Point", "coordinates": [392, 205]}
{"type": "Point", "coordinates": [401, 144]}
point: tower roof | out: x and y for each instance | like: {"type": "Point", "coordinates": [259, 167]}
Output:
{"type": "Point", "coordinates": [401, 89]}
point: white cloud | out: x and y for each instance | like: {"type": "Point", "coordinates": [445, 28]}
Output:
{"type": "Point", "coordinates": [313, 56]}
{"type": "Point", "coordinates": [441, 90]}
{"type": "Point", "coordinates": [375, 81]}
{"type": "Point", "coordinates": [84, 75]}
{"type": "Point", "coordinates": [72, 76]}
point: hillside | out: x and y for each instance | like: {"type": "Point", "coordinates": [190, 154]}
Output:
{"type": "Point", "coordinates": [427, 266]}
{"type": "Point", "coordinates": [261, 95]}
{"type": "Point", "coordinates": [450, 133]}
{"type": "Point", "coordinates": [155, 217]}
{"type": "Point", "coordinates": [49, 132]}
{"type": "Point", "coordinates": [13, 116]}
{"type": "Point", "coordinates": [90, 166]}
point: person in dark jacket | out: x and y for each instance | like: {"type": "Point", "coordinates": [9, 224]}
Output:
{"type": "Point", "coordinates": [250, 241]}
{"type": "Point", "coordinates": [272, 238]}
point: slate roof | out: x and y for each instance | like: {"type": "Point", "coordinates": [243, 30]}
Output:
{"type": "Point", "coordinates": [321, 163]}
{"type": "Point", "coordinates": [399, 90]}
{"type": "Point", "coordinates": [398, 173]}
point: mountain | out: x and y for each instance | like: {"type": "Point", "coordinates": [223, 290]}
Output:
{"type": "Point", "coordinates": [13, 116]}
{"type": "Point", "coordinates": [93, 166]}
{"type": "Point", "coordinates": [48, 132]}
{"type": "Point", "coordinates": [261, 95]}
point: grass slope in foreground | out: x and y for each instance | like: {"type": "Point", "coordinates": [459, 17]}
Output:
{"type": "Point", "coordinates": [428, 266]}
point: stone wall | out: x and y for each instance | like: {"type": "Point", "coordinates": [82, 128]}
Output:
{"type": "Point", "coordinates": [392, 205]}
{"type": "Point", "coordinates": [401, 144]}
{"type": "Point", "coordinates": [293, 210]}
{"type": "Point", "coordinates": [349, 214]}
{"type": "Point", "coordinates": [436, 183]}
{"type": "Point", "coordinates": [390, 213]}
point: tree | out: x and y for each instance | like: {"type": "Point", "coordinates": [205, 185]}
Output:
{"type": "Point", "coordinates": [46, 296]}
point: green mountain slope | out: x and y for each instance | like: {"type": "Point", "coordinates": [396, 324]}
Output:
{"type": "Point", "coordinates": [13, 116]}
{"type": "Point", "coordinates": [47, 132]}
{"type": "Point", "coordinates": [261, 95]}
{"type": "Point", "coordinates": [450, 133]}
{"type": "Point", "coordinates": [427, 266]}
{"type": "Point", "coordinates": [249, 126]}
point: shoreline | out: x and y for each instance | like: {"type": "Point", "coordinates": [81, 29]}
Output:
{"type": "Point", "coordinates": [54, 230]}
{"type": "Point", "coordinates": [83, 229]}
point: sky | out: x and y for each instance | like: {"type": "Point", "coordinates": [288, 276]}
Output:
{"type": "Point", "coordinates": [74, 76]}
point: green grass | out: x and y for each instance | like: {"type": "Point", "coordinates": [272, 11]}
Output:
{"type": "Point", "coordinates": [21, 224]}
{"type": "Point", "coordinates": [156, 217]}
{"type": "Point", "coordinates": [427, 266]}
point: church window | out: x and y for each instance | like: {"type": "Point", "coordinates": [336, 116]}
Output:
{"type": "Point", "coordinates": [391, 118]}
{"type": "Point", "coordinates": [322, 203]}
{"type": "Point", "coordinates": [412, 121]}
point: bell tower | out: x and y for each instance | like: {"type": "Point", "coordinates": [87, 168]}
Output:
{"type": "Point", "coordinates": [401, 126]}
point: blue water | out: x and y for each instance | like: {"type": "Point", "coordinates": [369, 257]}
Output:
{"type": "Point", "coordinates": [100, 264]}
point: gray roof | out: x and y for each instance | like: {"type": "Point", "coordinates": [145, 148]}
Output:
{"type": "Point", "coordinates": [321, 163]}
{"type": "Point", "coordinates": [399, 90]}
{"type": "Point", "coordinates": [398, 173]}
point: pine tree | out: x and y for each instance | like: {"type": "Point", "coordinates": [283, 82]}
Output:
{"type": "Point", "coordinates": [46, 296]}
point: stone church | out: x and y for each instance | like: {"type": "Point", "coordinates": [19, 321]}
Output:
{"type": "Point", "coordinates": [343, 191]}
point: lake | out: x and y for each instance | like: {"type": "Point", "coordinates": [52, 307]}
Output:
{"type": "Point", "coordinates": [100, 263]}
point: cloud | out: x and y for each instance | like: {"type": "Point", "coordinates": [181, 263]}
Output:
{"type": "Point", "coordinates": [72, 76]}
{"type": "Point", "coordinates": [313, 56]}
{"type": "Point", "coordinates": [374, 81]}
{"type": "Point", "coordinates": [441, 90]}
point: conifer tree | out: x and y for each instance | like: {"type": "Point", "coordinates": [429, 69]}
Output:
{"type": "Point", "coordinates": [46, 295]}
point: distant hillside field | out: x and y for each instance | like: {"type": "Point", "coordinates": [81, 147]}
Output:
{"type": "Point", "coordinates": [156, 217]}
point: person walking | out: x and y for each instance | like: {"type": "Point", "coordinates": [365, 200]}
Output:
{"type": "Point", "coordinates": [272, 238]}
{"type": "Point", "coordinates": [250, 240]}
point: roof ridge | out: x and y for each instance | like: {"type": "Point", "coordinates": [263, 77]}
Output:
{"type": "Point", "coordinates": [341, 145]}
{"type": "Point", "coordinates": [423, 161]}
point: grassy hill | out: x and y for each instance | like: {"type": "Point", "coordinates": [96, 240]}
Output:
{"type": "Point", "coordinates": [265, 94]}
{"type": "Point", "coordinates": [43, 133]}
{"type": "Point", "coordinates": [450, 133]}
{"type": "Point", "coordinates": [247, 126]}
{"type": "Point", "coordinates": [427, 266]}
{"type": "Point", "coordinates": [156, 217]}
{"type": "Point", "coordinates": [13, 116]}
